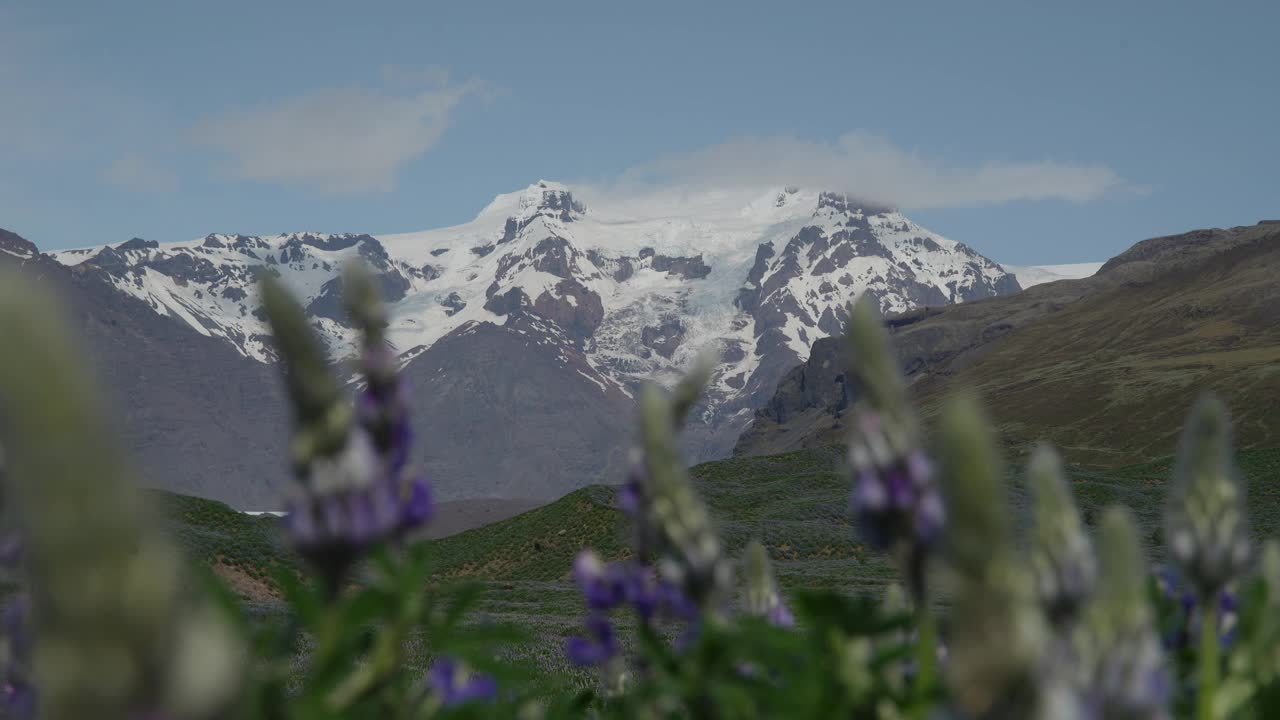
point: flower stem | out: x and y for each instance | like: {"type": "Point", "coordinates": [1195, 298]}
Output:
{"type": "Point", "coordinates": [926, 650]}
{"type": "Point", "coordinates": [1209, 663]}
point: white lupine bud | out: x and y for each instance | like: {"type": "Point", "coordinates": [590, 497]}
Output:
{"type": "Point", "coordinates": [1062, 557]}
{"type": "Point", "coordinates": [1206, 520]}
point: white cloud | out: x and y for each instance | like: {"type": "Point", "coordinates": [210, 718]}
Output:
{"type": "Point", "coordinates": [137, 173]}
{"type": "Point", "coordinates": [341, 140]}
{"type": "Point", "coordinates": [873, 168]}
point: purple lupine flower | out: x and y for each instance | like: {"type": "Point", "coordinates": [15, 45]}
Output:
{"type": "Point", "coordinates": [1131, 682]}
{"type": "Point", "coordinates": [1189, 609]}
{"type": "Point", "coordinates": [598, 647]}
{"type": "Point", "coordinates": [382, 406]}
{"type": "Point", "coordinates": [604, 587]}
{"type": "Point", "coordinates": [348, 520]}
{"type": "Point", "coordinates": [781, 616]}
{"type": "Point", "coordinates": [897, 504]}
{"type": "Point", "coordinates": [654, 597]}
{"type": "Point", "coordinates": [355, 490]}
{"type": "Point", "coordinates": [893, 495]}
{"type": "Point", "coordinates": [454, 684]}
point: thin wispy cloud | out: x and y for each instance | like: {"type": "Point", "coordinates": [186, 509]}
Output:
{"type": "Point", "coordinates": [873, 168]}
{"type": "Point", "coordinates": [140, 174]}
{"type": "Point", "coordinates": [338, 140]}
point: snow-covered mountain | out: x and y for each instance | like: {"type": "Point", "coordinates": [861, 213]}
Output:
{"type": "Point", "coordinates": [618, 292]}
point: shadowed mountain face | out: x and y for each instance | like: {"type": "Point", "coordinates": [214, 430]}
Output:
{"type": "Point", "coordinates": [195, 416]}
{"type": "Point", "coordinates": [501, 410]}
{"type": "Point", "coordinates": [1106, 366]}
{"type": "Point", "coordinates": [515, 411]}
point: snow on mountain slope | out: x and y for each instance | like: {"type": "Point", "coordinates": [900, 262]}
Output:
{"type": "Point", "coordinates": [1029, 275]}
{"type": "Point", "coordinates": [638, 287]}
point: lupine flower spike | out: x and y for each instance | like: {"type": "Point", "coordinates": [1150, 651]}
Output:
{"type": "Point", "coordinates": [1062, 558]}
{"type": "Point", "coordinates": [894, 498]}
{"type": "Point", "coordinates": [687, 544]}
{"type": "Point", "coordinates": [762, 598]}
{"type": "Point", "coordinates": [1207, 528]}
{"type": "Point", "coordinates": [1206, 523]}
{"type": "Point", "coordinates": [350, 464]}
{"type": "Point", "coordinates": [672, 526]}
{"type": "Point", "coordinates": [998, 633]}
{"type": "Point", "coordinates": [1124, 675]}
{"type": "Point", "coordinates": [114, 634]}
{"type": "Point", "coordinates": [453, 684]}
{"type": "Point", "coordinates": [633, 497]}
{"type": "Point", "coordinates": [1189, 611]}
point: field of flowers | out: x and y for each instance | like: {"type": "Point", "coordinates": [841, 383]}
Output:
{"type": "Point", "coordinates": [909, 575]}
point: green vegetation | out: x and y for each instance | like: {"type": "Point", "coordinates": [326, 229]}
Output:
{"type": "Point", "coordinates": [246, 550]}
{"type": "Point", "coordinates": [796, 503]}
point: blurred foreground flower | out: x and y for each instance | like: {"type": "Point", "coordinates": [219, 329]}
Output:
{"type": "Point", "coordinates": [1207, 526]}
{"type": "Point", "coordinates": [350, 463]}
{"type": "Point", "coordinates": [1123, 673]}
{"type": "Point", "coordinates": [689, 579]}
{"type": "Point", "coordinates": [1189, 614]}
{"type": "Point", "coordinates": [894, 498]}
{"type": "Point", "coordinates": [454, 684]}
{"type": "Point", "coordinates": [114, 632]}
{"type": "Point", "coordinates": [686, 545]}
{"type": "Point", "coordinates": [1062, 558]}
{"type": "Point", "coordinates": [999, 636]}
{"type": "Point", "coordinates": [762, 598]}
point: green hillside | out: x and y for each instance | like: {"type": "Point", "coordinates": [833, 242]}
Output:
{"type": "Point", "coordinates": [796, 503]}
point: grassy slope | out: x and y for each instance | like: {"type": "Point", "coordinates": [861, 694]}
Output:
{"type": "Point", "coordinates": [1105, 367]}
{"type": "Point", "coordinates": [795, 502]}
{"type": "Point", "coordinates": [1111, 377]}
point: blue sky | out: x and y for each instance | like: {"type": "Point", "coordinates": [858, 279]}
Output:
{"type": "Point", "coordinates": [1062, 132]}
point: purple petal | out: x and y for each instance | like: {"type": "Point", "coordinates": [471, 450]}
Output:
{"type": "Point", "coordinates": [583, 652]}
{"type": "Point", "coordinates": [869, 494]}
{"type": "Point", "coordinates": [416, 508]}
{"type": "Point", "coordinates": [781, 616]}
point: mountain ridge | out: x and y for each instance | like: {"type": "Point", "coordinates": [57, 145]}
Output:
{"type": "Point", "coordinates": [524, 333]}
{"type": "Point", "coordinates": [1105, 366]}
{"type": "Point", "coordinates": [639, 291]}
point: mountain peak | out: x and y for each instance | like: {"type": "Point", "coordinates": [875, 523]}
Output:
{"type": "Point", "coordinates": [545, 197]}
{"type": "Point", "coordinates": [846, 204]}
{"type": "Point", "coordinates": [138, 244]}
{"type": "Point", "coordinates": [14, 244]}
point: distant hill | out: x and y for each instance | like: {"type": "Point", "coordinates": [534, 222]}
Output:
{"type": "Point", "coordinates": [1106, 366]}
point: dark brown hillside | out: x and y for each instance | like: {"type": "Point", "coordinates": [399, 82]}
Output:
{"type": "Point", "coordinates": [1105, 367]}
